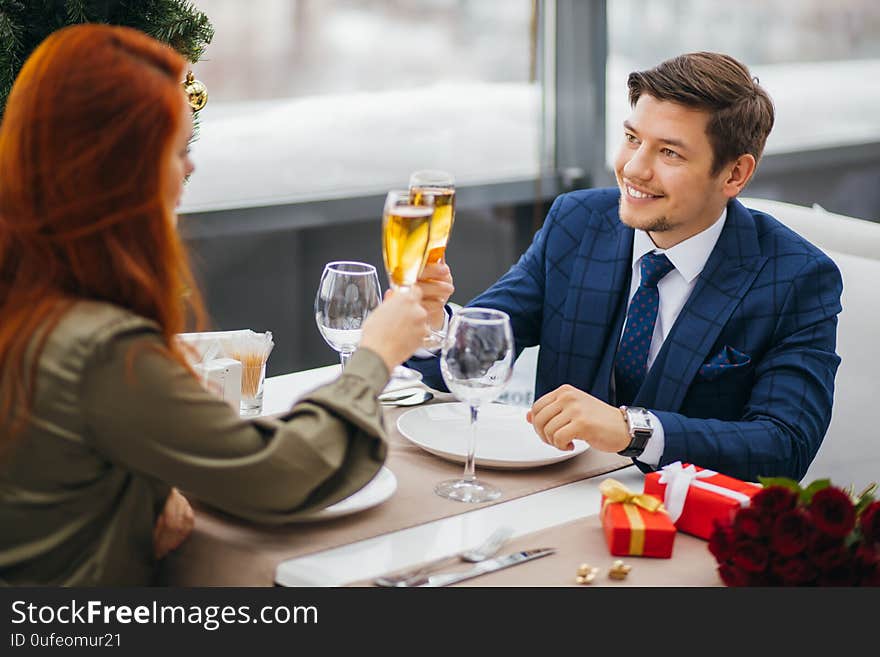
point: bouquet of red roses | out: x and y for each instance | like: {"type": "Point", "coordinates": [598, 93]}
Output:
{"type": "Point", "coordinates": [792, 536]}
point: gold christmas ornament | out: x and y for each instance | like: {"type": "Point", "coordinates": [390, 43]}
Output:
{"type": "Point", "coordinates": [619, 570]}
{"type": "Point", "coordinates": [196, 92]}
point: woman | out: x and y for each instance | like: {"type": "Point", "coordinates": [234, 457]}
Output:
{"type": "Point", "coordinates": [99, 414]}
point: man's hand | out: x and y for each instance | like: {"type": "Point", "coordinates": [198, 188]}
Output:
{"type": "Point", "coordinates": [174, 525]}
{"type": "Point", "coordinates": [567, 413]}
{"type": "Point", "coordinates": [436, 286]}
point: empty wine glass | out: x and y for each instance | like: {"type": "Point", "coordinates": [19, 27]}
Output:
{"type": "Point", "coordinates": [347, 294]}
{"type": "Point", "coordinates": [476, 362]}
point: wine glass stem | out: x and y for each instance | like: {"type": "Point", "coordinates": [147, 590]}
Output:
{"type": "Point", "coordinates": [472, 446]}
{"type": "Point", "coordinates": [344, 357]}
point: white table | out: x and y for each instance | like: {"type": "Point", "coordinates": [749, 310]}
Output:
{"type": "Point", "coordinates": [381, 554]}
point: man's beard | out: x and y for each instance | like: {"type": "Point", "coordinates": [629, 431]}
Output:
{"type": "Point", "coordinates": [659, 225]}
{"type": "Point", "coordinates": [656, 225]}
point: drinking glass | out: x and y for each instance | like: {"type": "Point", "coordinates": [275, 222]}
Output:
{"type": "Point", "coordinates": [347, 294]}
{"type": "Point", "coordinates": [476, 363]}
{"type": "Point", "coordinates": [441, 186]}
{"type": "Point", "coordinates": [406, 228]}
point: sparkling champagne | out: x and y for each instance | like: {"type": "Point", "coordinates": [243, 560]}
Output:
{"type": "Point", "coordinates": [444, 215]}
{"type": "Point", "coordinates": [406, 230]}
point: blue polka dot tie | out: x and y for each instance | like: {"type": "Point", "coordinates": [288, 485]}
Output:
{"type": "Point", "coordinates": [630, 364]}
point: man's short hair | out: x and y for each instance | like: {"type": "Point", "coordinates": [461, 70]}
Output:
{"type": "Point", "coordinates": [740, 111]}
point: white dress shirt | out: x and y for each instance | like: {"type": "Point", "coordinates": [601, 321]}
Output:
{"type": "Point", "coordinates": [421, 352]}
{"type": "Point", "coordinates": [688, 257]}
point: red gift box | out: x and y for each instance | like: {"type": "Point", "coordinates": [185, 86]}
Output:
{"type": "Point", "coordinates": [695, 497]}
{"type": "Point", "coordinates": [631, 529]}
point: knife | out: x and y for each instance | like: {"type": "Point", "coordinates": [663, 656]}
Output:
{"type": "Point", "coordinates": [487, 566]}
{"type": "Point", "coordinates": [397, 395]}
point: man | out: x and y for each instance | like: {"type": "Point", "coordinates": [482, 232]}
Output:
{"type": "Point", "coordinates": [713, 326]}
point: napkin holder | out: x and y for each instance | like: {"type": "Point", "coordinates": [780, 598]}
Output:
{"type": "Point", "coordinates": [218, 373]}
{"type": "Point", "coordinates": [222, 378]}
{"type": "Point", "coordinates": [211, 342]}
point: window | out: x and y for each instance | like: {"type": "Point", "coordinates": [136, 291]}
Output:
{"type": "Point", "coordinates": [818, 60]}
{"type": "Point", "coordinates": [318, 99]}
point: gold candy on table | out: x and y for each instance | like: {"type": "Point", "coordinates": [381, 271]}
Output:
{"type": "Point", "coordinates": [586, 574]}
{"type": "Point", "coordinates": [619, 570]}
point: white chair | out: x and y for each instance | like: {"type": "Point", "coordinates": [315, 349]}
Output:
{"type": "Point", "coordinates": [850, 453]}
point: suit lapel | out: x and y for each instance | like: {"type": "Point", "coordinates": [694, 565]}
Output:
{"type": "Point", "coordinates": [729, 273]}
{"type": "Point", "coordinates": [599, 281]}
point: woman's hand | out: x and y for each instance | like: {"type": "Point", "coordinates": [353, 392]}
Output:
{"type": "Point", "coordinates": [397, 327]}
{"type": "Point", "coordinates": [174, 524]}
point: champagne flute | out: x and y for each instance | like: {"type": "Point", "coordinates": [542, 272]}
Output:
{"type": "Point", "coordinates": [477, 364]}
{"type": "Point", "coordinates": [406, 228]}
{"type": "Point", "coordinates": [347, 294]}
{"type": "Point", "coordinates": [441, 186]}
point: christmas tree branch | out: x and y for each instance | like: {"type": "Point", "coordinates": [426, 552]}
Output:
{"type": "Point", "coordinates": [24, 25]}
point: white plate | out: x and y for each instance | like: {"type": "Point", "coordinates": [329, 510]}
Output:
{"type": "Point", "coordinates": [402, 377]}
{"type": "Point", "coordinates": [380, 488]}
{"type": "Point", "coordinates": [504, 438]}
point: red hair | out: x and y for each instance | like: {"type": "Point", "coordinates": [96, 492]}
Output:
{"type": "Point", "coordinates": [89, 123]}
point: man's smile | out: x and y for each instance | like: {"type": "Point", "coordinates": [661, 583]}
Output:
{"type": "Point", "coordinates": [634, 192]}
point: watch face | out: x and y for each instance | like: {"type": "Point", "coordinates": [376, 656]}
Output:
{"type": "Point", "coordinates": [640, 431]}
{"type": "Point", "coordinates": [638, 419]}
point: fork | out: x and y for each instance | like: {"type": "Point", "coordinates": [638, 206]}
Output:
{"type": "Point", "coordinates": [474, 555]}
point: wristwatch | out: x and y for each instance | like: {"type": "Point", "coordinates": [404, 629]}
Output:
{"type": "Point", "coordinates": [638, 421]}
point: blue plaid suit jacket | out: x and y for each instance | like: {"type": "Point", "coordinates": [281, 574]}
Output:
{"type": "Point", "coordinates": [744, 381]}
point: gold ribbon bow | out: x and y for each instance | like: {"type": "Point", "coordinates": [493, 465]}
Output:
{"type": "Point", "coordinates": [615, 492]}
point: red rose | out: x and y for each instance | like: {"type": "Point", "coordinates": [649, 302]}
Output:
{"type": "Point", "coordinates": [867, 560]}
{"type": "Point", "coordinates": [833, 512]}
{"type": "Point", "coordinates": [870, 524]}
{"type": "Point", "coordinates": [794, 572]}
{"type": "Point", "coordinates": [826, 551]}
{"type": "Point", "coordinates": [791, 533]}
{"type": "Point", "coordinates": [721, 541]}
{"type": "Point", "coordinates": [780, 539]}
{"type": "Point", "coordinates": [843, 574]}
{"type": "Point", "coordinates": [774, 500]}
{"type": "Point", "coordinates": [871, 579]}
{"type": "Point", "coordinates": [750, 556]}
{"type": "Point", "coordinates": [748, 523]}
{"type": "Point", "coordinates": [733, 576]}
